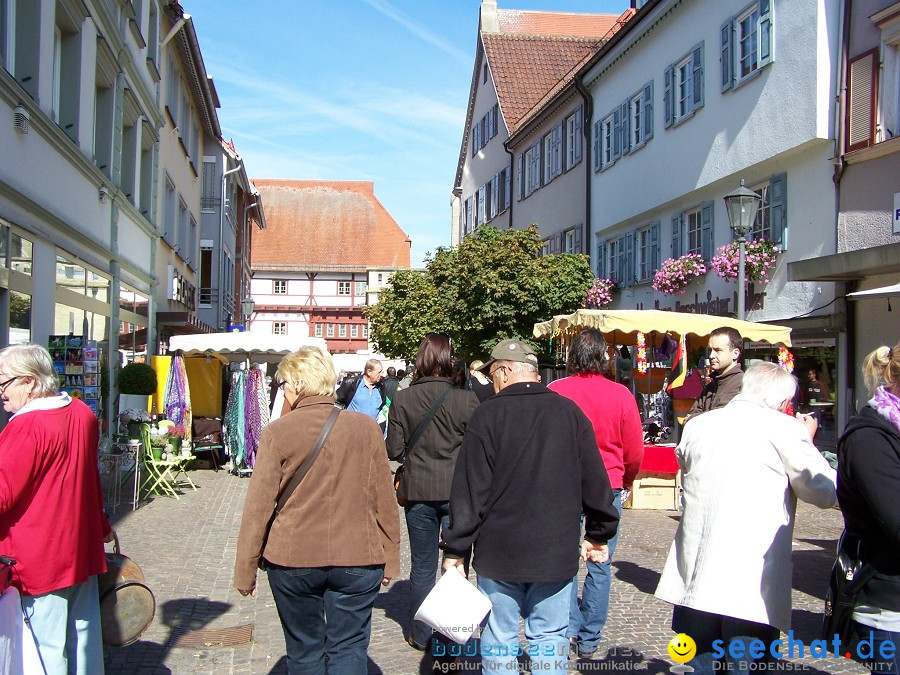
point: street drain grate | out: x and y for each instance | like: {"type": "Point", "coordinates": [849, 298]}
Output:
{"type": "Point", "coordinates": [214, 637]}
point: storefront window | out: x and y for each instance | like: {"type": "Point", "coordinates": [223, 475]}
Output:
{"type": "Point", "coordinates": [15, 251]}
{"type": "Point", "coordinates": [69, 275]}
{"type": "Point", "coordinates": [98, 287]}
{"type": "Point", "coordinates": [74, 321]}
{"type": "Point", "coordinates": [19, 318]}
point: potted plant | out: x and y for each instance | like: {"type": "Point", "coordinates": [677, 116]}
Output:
{"type": "Point", "coordinates": [760, 256]}
{"type": "Point", "coordinates": [137, 382]}
{"type": "Point", "coordinates": [674, 275]}
{"type": "Point", "coordinates": [600, 294]}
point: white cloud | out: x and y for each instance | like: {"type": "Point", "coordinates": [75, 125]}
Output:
{"type": "Point", "coordinates": [388, 10]}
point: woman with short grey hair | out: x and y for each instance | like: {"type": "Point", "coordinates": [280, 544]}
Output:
{"type": "Point", "coordinates": [48, 461]}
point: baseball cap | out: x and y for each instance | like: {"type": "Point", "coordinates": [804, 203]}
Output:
{"type": "Point", "coordinates": [511, 350]}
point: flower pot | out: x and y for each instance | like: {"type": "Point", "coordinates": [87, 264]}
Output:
{"type": "Point", "coordinates": [134, 401]}
{"type": "Point", "coordinates": [157, 453]}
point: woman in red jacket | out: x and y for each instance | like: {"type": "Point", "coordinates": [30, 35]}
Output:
{"type": "Point", "coordinates": [51, 510]}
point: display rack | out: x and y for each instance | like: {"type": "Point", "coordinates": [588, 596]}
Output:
{"type": "Point", "coordinates": [76, 362]}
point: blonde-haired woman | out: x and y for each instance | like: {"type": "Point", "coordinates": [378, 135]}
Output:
{"type": "Point", "coordinates": [336, 539]}
{"type": "Point", "coordinates": [51, 510]}
{"type": "Point", "coordinates": [868, 492]}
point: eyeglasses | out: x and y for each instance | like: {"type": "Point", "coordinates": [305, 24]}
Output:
{"type": "Point", "coordinates": [490, 375]}
{"type": "Point", "coordinates": [4, 385]}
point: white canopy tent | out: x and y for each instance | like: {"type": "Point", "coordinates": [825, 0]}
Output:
{"type": "Point", "coordinates": [257, 347]}
{"type": "Point", "coordinates": [873, 293]}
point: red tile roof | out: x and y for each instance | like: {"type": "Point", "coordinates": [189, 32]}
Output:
{"type": "Point", "coordinates": [526, 67]}
{"type": "Point", "coordinates": [555, 23]}
{"type": "Point", "coordinates": [314, 224]}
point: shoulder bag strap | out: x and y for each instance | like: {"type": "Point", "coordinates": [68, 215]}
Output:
{"type": "Point", "coordinates": [425, 420]}
{"type": "Point", "coordinates": [308, 462]}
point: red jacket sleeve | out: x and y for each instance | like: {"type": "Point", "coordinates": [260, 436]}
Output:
{"type": "Point", "coordinates": [18, 461]}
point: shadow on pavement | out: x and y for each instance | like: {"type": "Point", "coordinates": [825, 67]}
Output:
{"type": "Point", "coordinates": [395, 602]}
{"type": "Point", "coordinates": [645, 580]}
{"type": "Point", "coordinates": [811, 571]}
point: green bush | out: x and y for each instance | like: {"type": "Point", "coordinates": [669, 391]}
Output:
{"type": "Point", "coordinates": [138, 379]}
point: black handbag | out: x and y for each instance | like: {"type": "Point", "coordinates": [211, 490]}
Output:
{"type": "Point", "coordinates": [848, 576]}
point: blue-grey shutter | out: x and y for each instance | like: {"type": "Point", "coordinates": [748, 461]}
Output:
{"type": "Point", "coordinates": [629, 259]}
{"type": "Point", "coordinates": [520, 174]}
{"type": "Point", "coordinates": [727, 54]}
{"type": "Point", "coordinates": [558, 149]}
{"type": "Point", "coordinates": [579, 124]}
{"type": "Point", "coordinates": [115, 171]}
{"type": "Point", "coordinates": [597, 157]}
{"type": "Point", "coordinates": [654, 247]}
{"type": "Point", "coordinates": [601, 260]}
{"type": "Point", "coordinates": [668, 96]}
{"type": "Point", "coordinates": [469, 215]}
{"type": "Point", "coordinates": [154, 182]}
{"type": "Point", "coordinates": [578, 237]}
{"type": "Point", "coordinates": [537, 155]}
{"type": "Point", "coordinates": [677, 237]}
{"type": "Point", "coordinates": [617, 133]}
{"type": "Point", "coordinates": [620, 261]}
{"type": "Point", "coordinates": [506, 192]}
{"type": "Point", "coordinates": [765, 32]}
{"type": "Point", "coordinates": [625, 115]}
{"type": "Point", "coordinates": [706, 231]}
{"type": "Point", "coordinates": [778, 202]}
{"type": "Point", "coordinates": [476, 138]}
{"type": "Point", "coordinates": [697, 66]}
{"type": "Point", "coordinates": [648, 112]}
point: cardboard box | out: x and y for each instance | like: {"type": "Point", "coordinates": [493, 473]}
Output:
{"type": "Point", "coordinates": [655, 491]}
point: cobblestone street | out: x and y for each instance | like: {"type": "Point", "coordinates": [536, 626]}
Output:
{"type": "Point", "coordinates": [186, 549]}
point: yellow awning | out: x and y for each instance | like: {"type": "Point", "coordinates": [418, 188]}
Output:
{"type": "Point", "coordinates": [620, 326]}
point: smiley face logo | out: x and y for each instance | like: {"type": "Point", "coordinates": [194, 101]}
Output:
{"type": "Point", "coordinates": [682, 648]}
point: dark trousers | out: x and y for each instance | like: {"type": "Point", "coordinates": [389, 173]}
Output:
{"type": "Point", "coordinates": [871, 653]}
{"type": "Point", "coordinates": [424, 521]}
{"type": "Point", "coordinates": [326, 615]}
{"type": "Point", "coordinates": [705, 627]}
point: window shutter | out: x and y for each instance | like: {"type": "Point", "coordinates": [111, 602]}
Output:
{"type": "Point", "coordinates": [862, 106]}
{"type": "Point", "coordinates": [476, 139]}
{"type": "Point", "coordinates": [496, 118]}
{"type": "Point", "coordinates": [648, 112]}
{"type": "Point", "coordinates": [677, 221]}
{"type": "Point", "coordinates": [481, 213]}
{"type": "Point", "coordinates": [654, 246]}
{"type": "Point", "coordinates": [727, 33]}
{"type": "Point", "coordinates": [778, 202]}
{"type": "Point", "coordinates": [557, 149]}
{"type": "Point", "coordinates": [668, 98]}
{"type": "Point", "coordinates": [469, 215]}
{"type": "Point", "coordinates": [520, 171]}
{"type": "Point", "coordinates": [626, 126]}
{"type": "Point", "coordinates": [495, 195]}
{"type": "Point", "coordinates": [698, 76]}
{"type": "Point", "coordinates": [506, 191]}
{"type": "Point", "coordinates": [579, 123]}
{"type": "Point", "coordinates": [536, 164]}
{"type": "Point", "coordinates": [629, 259]}
{"type": "Point", "coordinates": [617, 133]}
{"type": "Point", "coordinates": [597, 157]}
{"type": "Point", "coordinates": [154, 182]}
{"type": "Point", "coordinates": [621, 279]}
{"type": "Point", "coordinates": [706, 230]}
{"type": "Point", "coordinates": [765, 32]}
{"type": "Point", "coordinates": [601, 260]}
{"type": "Point", "coordinates": [579, 239]}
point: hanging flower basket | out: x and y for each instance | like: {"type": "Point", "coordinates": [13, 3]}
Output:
{"type": "Point", "coordinates": [675, 274]}
{"type": "Point", "coordinates": [760, 256]}
{"type": "Point", "coordinates": [600, 294]}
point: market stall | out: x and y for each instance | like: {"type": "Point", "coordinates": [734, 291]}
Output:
{"type": "Point", "coordinates": [660, 342]}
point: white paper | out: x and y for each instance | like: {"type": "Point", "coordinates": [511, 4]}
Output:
{"type": "Point", "coordinates": [454, 608]}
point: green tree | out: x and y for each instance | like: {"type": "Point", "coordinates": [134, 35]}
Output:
{"type": "Point", "coordinates": [494, 285]}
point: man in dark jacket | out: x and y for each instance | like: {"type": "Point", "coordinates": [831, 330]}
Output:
{"type": "Point", "coordinates": [725, 346]}
{"type": "Point", "coordinates": [528, 466]}
{"type": "Point", "coordinates": [390, 383]}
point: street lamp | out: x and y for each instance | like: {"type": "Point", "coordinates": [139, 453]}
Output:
{"type": "Point", "coordinates": [742, 206]}
{"type": "Point", "coordinates": [247, 305]}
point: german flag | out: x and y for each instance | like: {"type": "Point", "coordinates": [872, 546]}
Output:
{"type": "Point", "coordinates": [679, 367]}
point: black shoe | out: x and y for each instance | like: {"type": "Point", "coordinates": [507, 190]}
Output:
{"type": "Point", "coordinates": [581, 652]}
{"type": "Point", "coordinates": [411, 641]}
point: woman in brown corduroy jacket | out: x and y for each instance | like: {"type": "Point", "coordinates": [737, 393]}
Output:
{"type": "Point", "coordinates": [336, 539]}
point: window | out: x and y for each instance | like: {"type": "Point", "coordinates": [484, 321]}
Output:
{"type": "Point", "coordinates": [209, 177]}
{"type": "Point", "coordinates": [648, 251]}
{"type": "Point", "coordinates": [548, 158]}
{"type": "Point", "coordinates": [469, 222]}
{"type": "Point", "coordinates": [606, 151]}
{"type": "Point", "coordinates": [279, 327]}
{"type": "Point", "coordinates": [206, 266]}
{"type": "Point", "coordinates": [696, 226]}
{"type": "Point", "coordinates": [169, 226]}
{"type": "Point", "coordinates": [360, 288]}
{"type": "Point", "coordinates": [365, 330]}
{"type": "Point", "coordinates": [343, 288]}
{"type": "Point", "coordinates": [279, 287]}
{"type": "Point", "coordinates": [640, 118]}
{"type": "Point", "coordinates": [504, 187]}
{"type": "Point", "coordinates": [476, 138]}
{"type": "Point", "coordinates": [192, 243]}
{"type": "Point", "coordinates": [15, 252]}
{"type": "Point", "coordinates": [771, 219]}
{"type": "Point", "coordinates": [342, 330]}
{"type": "Point", "coordinates": [380, 279]}
{"type": "Point", "coordinates": [494, 196]}
{"type": "Point", "coordinates": [318, 330]}
{"type": "Point", "coordinates": [104, 109]}
{"type": "Point", "coordinates": [694, 239]}
{"type": "Point", "coordinates": [329, 332]}
{"type": "Point", "coordinates": [569, 241]}
{"type": "Point", "coordinates": [683, 82]}
{"type": "Point", "coordinates": [149, 173]}
{"type": "Point", "coordinates": [746, 43]}
{"type": "Point", "coordinates": [530, 169]}
{"type": "Point", "coordinates": [354, 330]}
{"type": "Point", "coordinates": [573, 138]}
{"type": "Point", "coordinates": [182, 247]}
{"type": "Point", "coordinates": [482, 216]}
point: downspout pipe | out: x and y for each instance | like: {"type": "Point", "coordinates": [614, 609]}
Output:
{"type": "Point", "coordinates": [586, 124]}
{"type": "Point", "coordinates": [512, 181]}
{"type": "Point", "coordinates": [221, 293]}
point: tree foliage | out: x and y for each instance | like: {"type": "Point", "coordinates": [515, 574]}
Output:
{"type": "Point", "coordinates": [493, 286]}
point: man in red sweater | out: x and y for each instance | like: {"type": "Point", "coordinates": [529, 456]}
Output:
{"type": "Point", "coordinates": [613, 412]}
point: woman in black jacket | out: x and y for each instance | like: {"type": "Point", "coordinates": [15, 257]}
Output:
{"type": "Point", "coordinates": [429, 463]}
{"type": "Point", "coordinates": [868, 491]}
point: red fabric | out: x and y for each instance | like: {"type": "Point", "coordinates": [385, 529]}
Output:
{"type": "Point", "coordinates": [692, 387]}
{"type": "Point", "coordinates": [614, 415]}
{"type": "Point", "coordinates": [659, 459]}
{"type": "Point", "coordinates": [51, 503]}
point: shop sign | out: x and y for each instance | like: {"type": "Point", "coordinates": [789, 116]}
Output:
{"type": "Point", "coordinates": [715, 305]}
{"type": "Point", "coordinates": [897, 213]}
{"type": "Point", "coordinates": [180, 289]}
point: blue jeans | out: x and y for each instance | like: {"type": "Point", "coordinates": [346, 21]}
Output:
{"type": "Point", "coordinates": [586, 621]}
{"type": "Point", "coordinates": [65, 625]}
{"type": "Point", "coordinates": [705, 627]}
{"type": "Point", "coordinates": [876, 662]}
{"type": "Point", "coordinates": [424, 522]}
{"type": "Point", "coordinates": [326, 615]}
{"type": "Point", "coordinates": [545, 608]}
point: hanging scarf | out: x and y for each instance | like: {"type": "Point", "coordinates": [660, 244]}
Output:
{"type": "Point", "coordinates": [887, 405]}
{"type": "Point", "coordinates": [177, 395]}
{"type": "Point", "coordinates": [234, 420]}
{"type": "Point", "coordinates": [253, 429]}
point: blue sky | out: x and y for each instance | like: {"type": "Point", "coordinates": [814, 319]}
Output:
{"type": "Point", "coordinates": [370, 90]}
